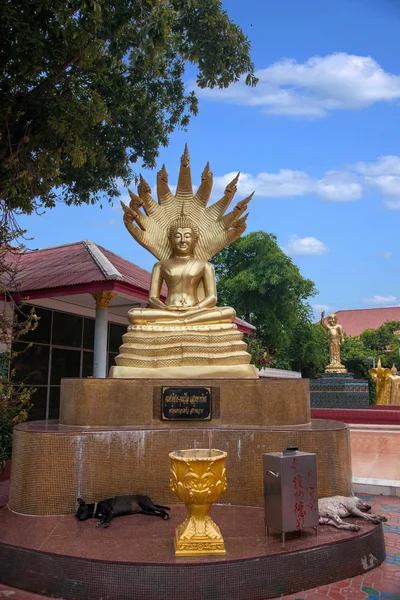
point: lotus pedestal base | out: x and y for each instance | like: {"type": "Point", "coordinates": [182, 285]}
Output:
{"type": "Point", "coordinates": [207, 544]}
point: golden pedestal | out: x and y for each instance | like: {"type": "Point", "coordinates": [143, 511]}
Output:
{"type": "Point", "coordinates": [161, 351]}
{"type": "Point", "coordinates": [198, 478]}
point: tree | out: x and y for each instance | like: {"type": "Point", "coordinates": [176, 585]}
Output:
{"type": "Point", "coordinates": [309, 347]}
{"type": "Point", "coordinates": [15, 321]}
{"type": "Point", "coordinates": [88, 87]}
{"type": "Point", "coordinates": [267, 290]}
{"type": "Point", "coordinates": [383, 339]}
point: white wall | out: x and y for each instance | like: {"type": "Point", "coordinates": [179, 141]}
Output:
{"type": "Point", "coordinates": [83, 311]}
{"type": "Point", "coordinates": [281, 373]}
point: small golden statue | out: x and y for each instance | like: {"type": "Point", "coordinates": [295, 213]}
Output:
{"type": "Point", "coordinates": [186, 335]}
{"type": "Point", "coordinates": [382, 378]}
{"type": "Point", "coordinates": [335, 338]}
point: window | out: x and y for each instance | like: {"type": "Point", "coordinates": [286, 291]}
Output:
{"type": "Point", "coordinates": [31, 364]}
{"type": "Point", "coordinates": [64, 363]}
{"type": "Point", "coordinates": [67, 330]}
{"type": "Point", "coordinates": [62, 346]}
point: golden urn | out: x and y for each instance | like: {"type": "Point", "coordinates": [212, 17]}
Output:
{"type": "Point", "coordinates": [198, 478]}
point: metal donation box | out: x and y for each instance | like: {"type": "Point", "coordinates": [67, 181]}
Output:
{"type": "Point", "coordinates": [290, 490]}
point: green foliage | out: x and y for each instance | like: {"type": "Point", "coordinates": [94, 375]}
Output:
{"type": "Point", "coordinates": [259, 357]}
{"type": "Point", "coordinates": [309, 348]}
{"type": "Point", "coordinates": [15, 321]}
{"type": "Point", "coordinates": [88, 87]}
{"type": "Point", "coordinates": [267, 290]}
{"type": "Point", "coordinates": [383, 341]}
{"type": "Point", "coordinates": [15, 402]}
{"type": "Point", "coordinates": [356, 357]}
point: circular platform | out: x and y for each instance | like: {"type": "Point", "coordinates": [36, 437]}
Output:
{"type": "Point", "coordinates": [53, 464]}
{"type": "Point", "coordinates": [134, 558]}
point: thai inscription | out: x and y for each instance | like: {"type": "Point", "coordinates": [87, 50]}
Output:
{"type": "Point", "coordinates": [186, 403]}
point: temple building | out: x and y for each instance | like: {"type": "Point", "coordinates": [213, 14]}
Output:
{"type": "Point", "coordinates": [354, 322]}
{"type": "Point", "coordinates": [82, 293]}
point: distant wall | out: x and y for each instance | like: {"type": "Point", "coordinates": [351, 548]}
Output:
{"type": "Point", "coordinates": [281, 373]}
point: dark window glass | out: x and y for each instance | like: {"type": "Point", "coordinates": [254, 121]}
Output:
{"type": "Point", "coordinates": [67, 330]}
{"type": "Point", "coordinates": [87, 364]}
{"type": "Point", "coordinates": [64, 363]}
{"type": "Point", "coordinates": [42, 332]}
{"type": "Point", "coordinates": [111, 359]}
{"type": "Point", "coordinates": [54, 402]}
{"type": "Point", "coordinates": [88, 333]}
{"type": "Point", "coordinates": [38, 400]}
{"type": "Point", "coordinates": [32, 364]}
{"type": "Point", "coordinates": [115, 337]}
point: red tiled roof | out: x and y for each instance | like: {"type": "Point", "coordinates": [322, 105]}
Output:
{"type": "Point", "coordinates": [130, 272]}
{"type": "Point", "coordinates": [356, 321]}
{"type": "Point", "coordinates": [73, 265]}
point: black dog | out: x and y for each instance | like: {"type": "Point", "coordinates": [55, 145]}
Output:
{"type": "Point", "coordinates": [118, 506]}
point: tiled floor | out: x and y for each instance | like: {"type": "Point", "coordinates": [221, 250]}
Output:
{"type": "Point", "coordinates": [380, 583]}
{"type": "Point", "coordinates": [375, 454]}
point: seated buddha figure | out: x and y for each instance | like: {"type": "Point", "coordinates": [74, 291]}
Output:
{"type": "Point", "coordinates": [183, 275]}
{"type": "Point", "coordinates": [187, 335]}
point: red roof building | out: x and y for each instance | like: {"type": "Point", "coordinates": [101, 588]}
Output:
{"type": "Point", "coordinates": [354, 322]}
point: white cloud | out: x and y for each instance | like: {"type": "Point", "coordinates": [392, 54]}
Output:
{"type": "Point", "coordinates": [340, 185]}
{"type": "Point", "coordinates": [322, 84]}
{"type": "Point", "coordinates": [379, 300]}
{"type": "Point", "coordinates": [387, 255]}
{"type": "Point", "coordinates": [383, 175]}
{"type": "Point", "coordinates": [336, 186]}
{"type": "Point", "coordinates": [307, 246]}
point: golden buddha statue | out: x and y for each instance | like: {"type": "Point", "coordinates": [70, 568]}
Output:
{"type": "Point", "coordinates": [186, 335]}
{"type": "Point", "coordinates": [382, 377]}
{"type": "Point", "coordinates": [335, 338]}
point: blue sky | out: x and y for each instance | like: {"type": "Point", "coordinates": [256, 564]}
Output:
{"type": "Point", "coordinates": [318, 140]}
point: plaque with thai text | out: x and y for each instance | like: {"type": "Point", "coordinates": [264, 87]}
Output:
{"type": "Point", "coordinates": [186, 403]}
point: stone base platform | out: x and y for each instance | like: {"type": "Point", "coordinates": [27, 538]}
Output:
{"type": "Point", "coordinates": [134, 558]}
{"type": "Point", "coordinates": [235, 402]}
{"type": "Point", "coordinates": [54, 464]}
{"type": "Point", "coordinates": [193, 372]}
{"type": "Point", "coordinates": [337, 390]}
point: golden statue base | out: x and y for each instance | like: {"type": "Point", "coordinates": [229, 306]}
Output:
{"type": "Point", "coordinates": [186, 372]}
{"type": "Point", "coordinates": [191, 352]}
{"type": "Point", "coordinates": [336, 369]}
{"type": "Point", "coordinates": [209, 543]}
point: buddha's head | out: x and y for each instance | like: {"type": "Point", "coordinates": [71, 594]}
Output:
{"type": "Point", "coordinates": [332, 319]}
{"type": "Point", "coordinates": [183, 235]}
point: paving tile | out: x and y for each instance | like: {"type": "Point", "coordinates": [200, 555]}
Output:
{"type": "Point", "coordinates": [385, 466]}
{"type": "Point", "coordinates": [362, 463]}
{"type": "Point", "coordinates": [7, 592]}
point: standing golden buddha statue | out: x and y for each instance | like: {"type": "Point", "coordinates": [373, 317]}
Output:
{"type": "Point", "coordinates": [186, 335]}
{"type": "Point", "coordinates": [335, 338]}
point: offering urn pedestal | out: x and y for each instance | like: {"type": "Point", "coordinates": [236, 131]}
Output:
{"type": "Point", "coordinates": [198, 478]}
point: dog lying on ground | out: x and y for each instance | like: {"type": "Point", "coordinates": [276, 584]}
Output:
{"type": "Point", "coordinates": [332, 510]}
{"type": "Point", "coordinates": [118, 506]}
